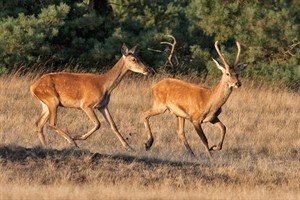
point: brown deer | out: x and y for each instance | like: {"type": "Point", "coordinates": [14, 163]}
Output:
{"type": "Point", "coordinates": [85, 91]}
{"type": "Point", "coordinates": [195, 103]}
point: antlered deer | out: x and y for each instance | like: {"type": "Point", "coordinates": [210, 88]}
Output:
{"type": "Point", "coordinates": [195, 103]}
{"type": "Point", "coordinates": [84, 91]}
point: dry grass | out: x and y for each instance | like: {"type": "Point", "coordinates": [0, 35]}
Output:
{"type": "Point", "coordinates": [260, 157]}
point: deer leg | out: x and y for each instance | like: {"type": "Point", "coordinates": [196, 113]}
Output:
{"type": "Point", "coordinates": [41, 122]}
{"type": "Point", "coordinates": [155, 110]}
{"type": "Point", "coordinates": [92, 116]}
{"type": "Point", "coordinates": [181, 134]}
{"type": "Point", "coordinates": [221, 126]}
{"type": "Point", "coordinates": [52, 124]}
{"type": "Point", "coordinates": [202, 137]}
{"type": "Point", "coordinates": [109, 119]}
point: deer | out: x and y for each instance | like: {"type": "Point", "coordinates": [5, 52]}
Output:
{"type": "Point", "coordinates": [85, 91]}
{"type": "Point", "coordinates": [195, 103]}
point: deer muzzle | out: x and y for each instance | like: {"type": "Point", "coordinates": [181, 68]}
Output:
{"type": "Point", "coordinates": [238, 84]}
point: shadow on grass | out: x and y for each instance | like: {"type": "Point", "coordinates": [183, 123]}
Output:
{"type": "Point", "coordinates": [20, 154]}
{"type": "Point", "coordinates": [82, 166]}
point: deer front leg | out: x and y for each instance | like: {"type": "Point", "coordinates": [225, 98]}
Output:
{"type": "Point", "coordinates": [110, 121]}
{"type": "Point", "coordinates": [222, 128]}
{"type": "Point", "coordinates": [202, 137]}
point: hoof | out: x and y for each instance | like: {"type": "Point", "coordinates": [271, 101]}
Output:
{"type": "Point", "coordinates": [75, 144]}
{"type": "Point", "coordinates": [129, 148]}
{"type": "Point", "coordinates": [148, 144]}
{"type": "Point", "coordinates": [77, 137]}
{"type": "Point", "coordinates": [215, 148]}
{"type": "Point", "coordinates": [193, 155]}
{"type": "Point", "coordinates": [147, 147]}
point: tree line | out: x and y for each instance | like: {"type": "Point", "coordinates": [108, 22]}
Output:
{"type": "Point", "coordinates": [176, 36]}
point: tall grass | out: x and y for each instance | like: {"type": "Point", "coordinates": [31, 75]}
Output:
{"type": "Point", "coordinates": [260, 157]}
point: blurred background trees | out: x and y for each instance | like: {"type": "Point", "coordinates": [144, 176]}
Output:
{"type": "Point", "coordinates": [88, 34]}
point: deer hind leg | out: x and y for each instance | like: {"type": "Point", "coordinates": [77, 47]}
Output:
{"type": "Point", "coordinates": [202, 137]}
{"type": "Point", "coordinates": [92, 116]}
{"type": "Point", "coordinates": [181, 134]}
{"type": "Point", "coordinates": [155, 110]}
{"type": "Point", "coordinates": [41, 122]}
{"type": "Point", "coordinates": [110, 121]}
{"type": "Point", "coordinates": [221, 126]}
{"type": "Point", "coordinates": [52, 106]}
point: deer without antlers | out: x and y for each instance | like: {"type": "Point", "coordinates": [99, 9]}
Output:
{"type": "Point", "coordinates": [195, 103]}
{"type": "Point", "coordinates": [84, 91]}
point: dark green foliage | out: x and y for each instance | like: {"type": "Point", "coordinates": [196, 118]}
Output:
{"type": "Point", "coordinates": [268, 31]}
{"type": "Point", "coordinates": [26, 39]}
{"type": "Point", "coordinates": [52, 34]}
{"type": "Point", "coordinates": [55, 33]}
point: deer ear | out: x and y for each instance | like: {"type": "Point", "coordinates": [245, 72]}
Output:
{"type": "Point", "coordinates": [124, 50]}
{"type": "Point", "coordinates": [240, 68]}
{"type": "Point", "coordinates": [132, 50]}
{"type": "Point", "coordinates": [219, 66]}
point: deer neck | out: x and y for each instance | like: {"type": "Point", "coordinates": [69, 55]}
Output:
{"type": "Point", "coordinates": [114, 75]}
{"type": "Point", "coordinates": [220, 94]}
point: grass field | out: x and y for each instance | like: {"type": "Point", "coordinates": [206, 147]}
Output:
{"type": "Point", "coordinates": [260, 158]}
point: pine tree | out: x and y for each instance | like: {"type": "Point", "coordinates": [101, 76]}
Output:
{"type": "Point", "coordinates": [268, 32]}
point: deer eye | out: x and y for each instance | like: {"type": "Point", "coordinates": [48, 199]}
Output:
{"type": "Point", "coordinates": [228, 74]}
{"type": "Point", "coordinates": [134, 59]}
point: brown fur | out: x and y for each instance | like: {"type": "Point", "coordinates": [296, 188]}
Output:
{"type": "Point", "coordinates": [196, 103]}
{"type": "Point", "coordinates": [83, 91]}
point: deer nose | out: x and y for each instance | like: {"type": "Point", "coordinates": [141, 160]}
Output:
{"type": "Point", "coordinates": [146, 71]}
{"type": "Point", "coordinates": [238, 84]}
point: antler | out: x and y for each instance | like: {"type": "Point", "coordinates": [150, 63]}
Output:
{"type": "Point", "coordinates": [172, 49]}
{"type": "Point", "coordinates": [220, 54]}
{"type": "Point", "coordinates": [238, 54]}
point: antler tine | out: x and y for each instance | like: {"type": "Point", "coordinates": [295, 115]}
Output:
{"type": "Point", "coordinates": [238, 54]}
{"type": "Point", "coordinates": [220, 54]}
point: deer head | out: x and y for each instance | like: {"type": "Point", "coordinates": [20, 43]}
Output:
{"type": "Point", "coordinates": [132, 62]}
{"type": "Point", "coordinates": [230, 72]}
